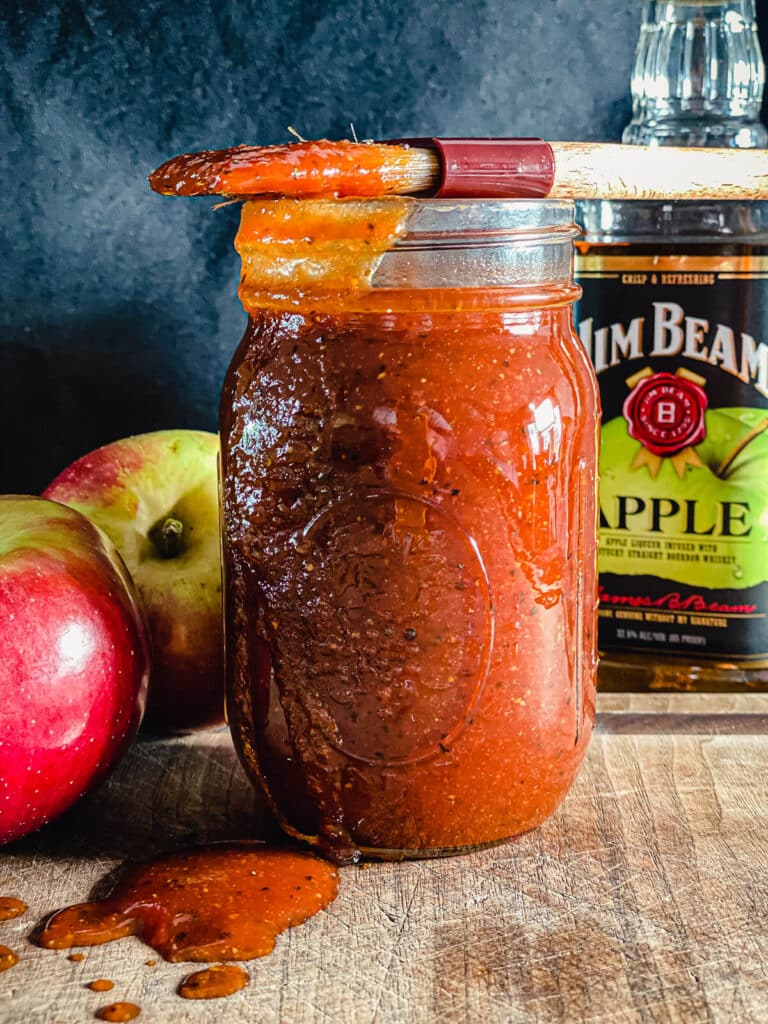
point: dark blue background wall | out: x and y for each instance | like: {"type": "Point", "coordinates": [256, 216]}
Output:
{"type": "Point", "coordinates": [117, 308]}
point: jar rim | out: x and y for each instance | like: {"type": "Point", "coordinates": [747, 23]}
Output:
{"type": "Point", "coordinates": [439, 220]}
{"type": "Point", "coordinates": [495, 216]}
{"type": "Point", "coordinates": [296, 248]}
{"type": "Point", "coordinates": [451, 223]}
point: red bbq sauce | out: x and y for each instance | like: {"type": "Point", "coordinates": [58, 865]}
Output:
{"type": "Point", "coordinates": [8, 958]}
{"type": "Point", "coordinates": [319, 168]}
{"type": "Point", "coordinates": [409, 433]}
{"type": "Point", "coordinates": [224, 902]}
{"type": "Point", "coordinates": [409, 527]}
{"type": "Point", "coordinates": [100, 985]}
{"type": "Point", "coordinates": [10, 907]}
{"type": "Point", "coordinates": [118, 1012]}
{"type": "Point", "coordinates": [214, 982]}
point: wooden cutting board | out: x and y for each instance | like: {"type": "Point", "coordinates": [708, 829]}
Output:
{"type": "Point", "coordinates": [644, 900]}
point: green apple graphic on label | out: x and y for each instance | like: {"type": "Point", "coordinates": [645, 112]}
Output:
{"type": "Point", "coordinates": [684, 488]}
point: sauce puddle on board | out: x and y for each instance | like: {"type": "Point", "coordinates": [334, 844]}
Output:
{"type": "Point", "coordinates": [8, 959]}
{"type": "Point", "coordinates": [227, 902]}
{"type": "Point", "coordinates": [119, 1012]}
{"type": "Point", "coordinates": [213, 983]}
{"type": "Point", "coordinates": [10, 907]}
{"type": "Point", "coordinates": [100, 985]}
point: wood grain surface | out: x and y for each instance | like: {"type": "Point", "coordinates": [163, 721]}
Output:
{"type": "Point", "coordinates": [644, 900]}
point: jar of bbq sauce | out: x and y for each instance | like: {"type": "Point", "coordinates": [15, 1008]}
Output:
{"type": "Point", "coordinates": [409, 432]}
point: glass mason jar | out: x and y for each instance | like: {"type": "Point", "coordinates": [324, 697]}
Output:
{"type": "Point", "coordinates": [409, 432]}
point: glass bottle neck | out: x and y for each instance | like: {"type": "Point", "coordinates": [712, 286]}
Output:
{"type": "Point", "coordinates": [698, 76]}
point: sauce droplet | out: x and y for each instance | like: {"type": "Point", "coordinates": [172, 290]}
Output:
{"type": "Point", "coordinates": [101, 985]}
{"type": "Point", "coordinates": [11, 907]}
{"type": "Point", "coordinates": [8, 959]}
{"type": "Point", "coordinates": [213, 983]}
{"type": "Point", "coordinates": [76, 957]}
{"type": "Point", "coordinates": [227, 902]}
{"type": "Point", "coordinates": [118, 1012]}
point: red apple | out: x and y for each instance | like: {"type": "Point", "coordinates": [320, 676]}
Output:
{"type": "Point", "coordinates": [74, 660]}
{"type": "Point", "coordinates": [156, 498]}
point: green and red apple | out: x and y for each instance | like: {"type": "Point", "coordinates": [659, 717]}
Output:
{"type": "Point", "coordinates": [74, 660]}
{"type": "Point", "coordinates": [156, 497]}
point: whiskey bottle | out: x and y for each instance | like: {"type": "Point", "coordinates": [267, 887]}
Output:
{"type": "Point", "coordinates": [674, 315]}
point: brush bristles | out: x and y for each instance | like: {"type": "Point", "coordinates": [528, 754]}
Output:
{"type": "Point", "coordinates": [411, 171]}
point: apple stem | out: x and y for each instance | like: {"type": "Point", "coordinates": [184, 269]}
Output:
{"type": "Point", "coordinates": [725, 465]}
{"type": "Point", "coordinates": [167, 537]}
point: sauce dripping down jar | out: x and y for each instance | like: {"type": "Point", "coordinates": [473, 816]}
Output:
{"type": "Point", "coordinates": [409, 489]}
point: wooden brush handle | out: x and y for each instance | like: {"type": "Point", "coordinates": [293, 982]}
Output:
{"type": "Point", "coordinates": [598, 170]}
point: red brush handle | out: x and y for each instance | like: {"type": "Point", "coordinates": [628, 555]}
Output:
{"type": "Point", "coordinates": [492, 168]}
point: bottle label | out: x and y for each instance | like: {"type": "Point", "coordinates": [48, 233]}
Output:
{"type": "Point", "coordinates": [680, 347]}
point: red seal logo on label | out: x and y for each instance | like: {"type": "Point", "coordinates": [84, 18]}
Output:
{"type": "Point", "coordinates": [665, 413]}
